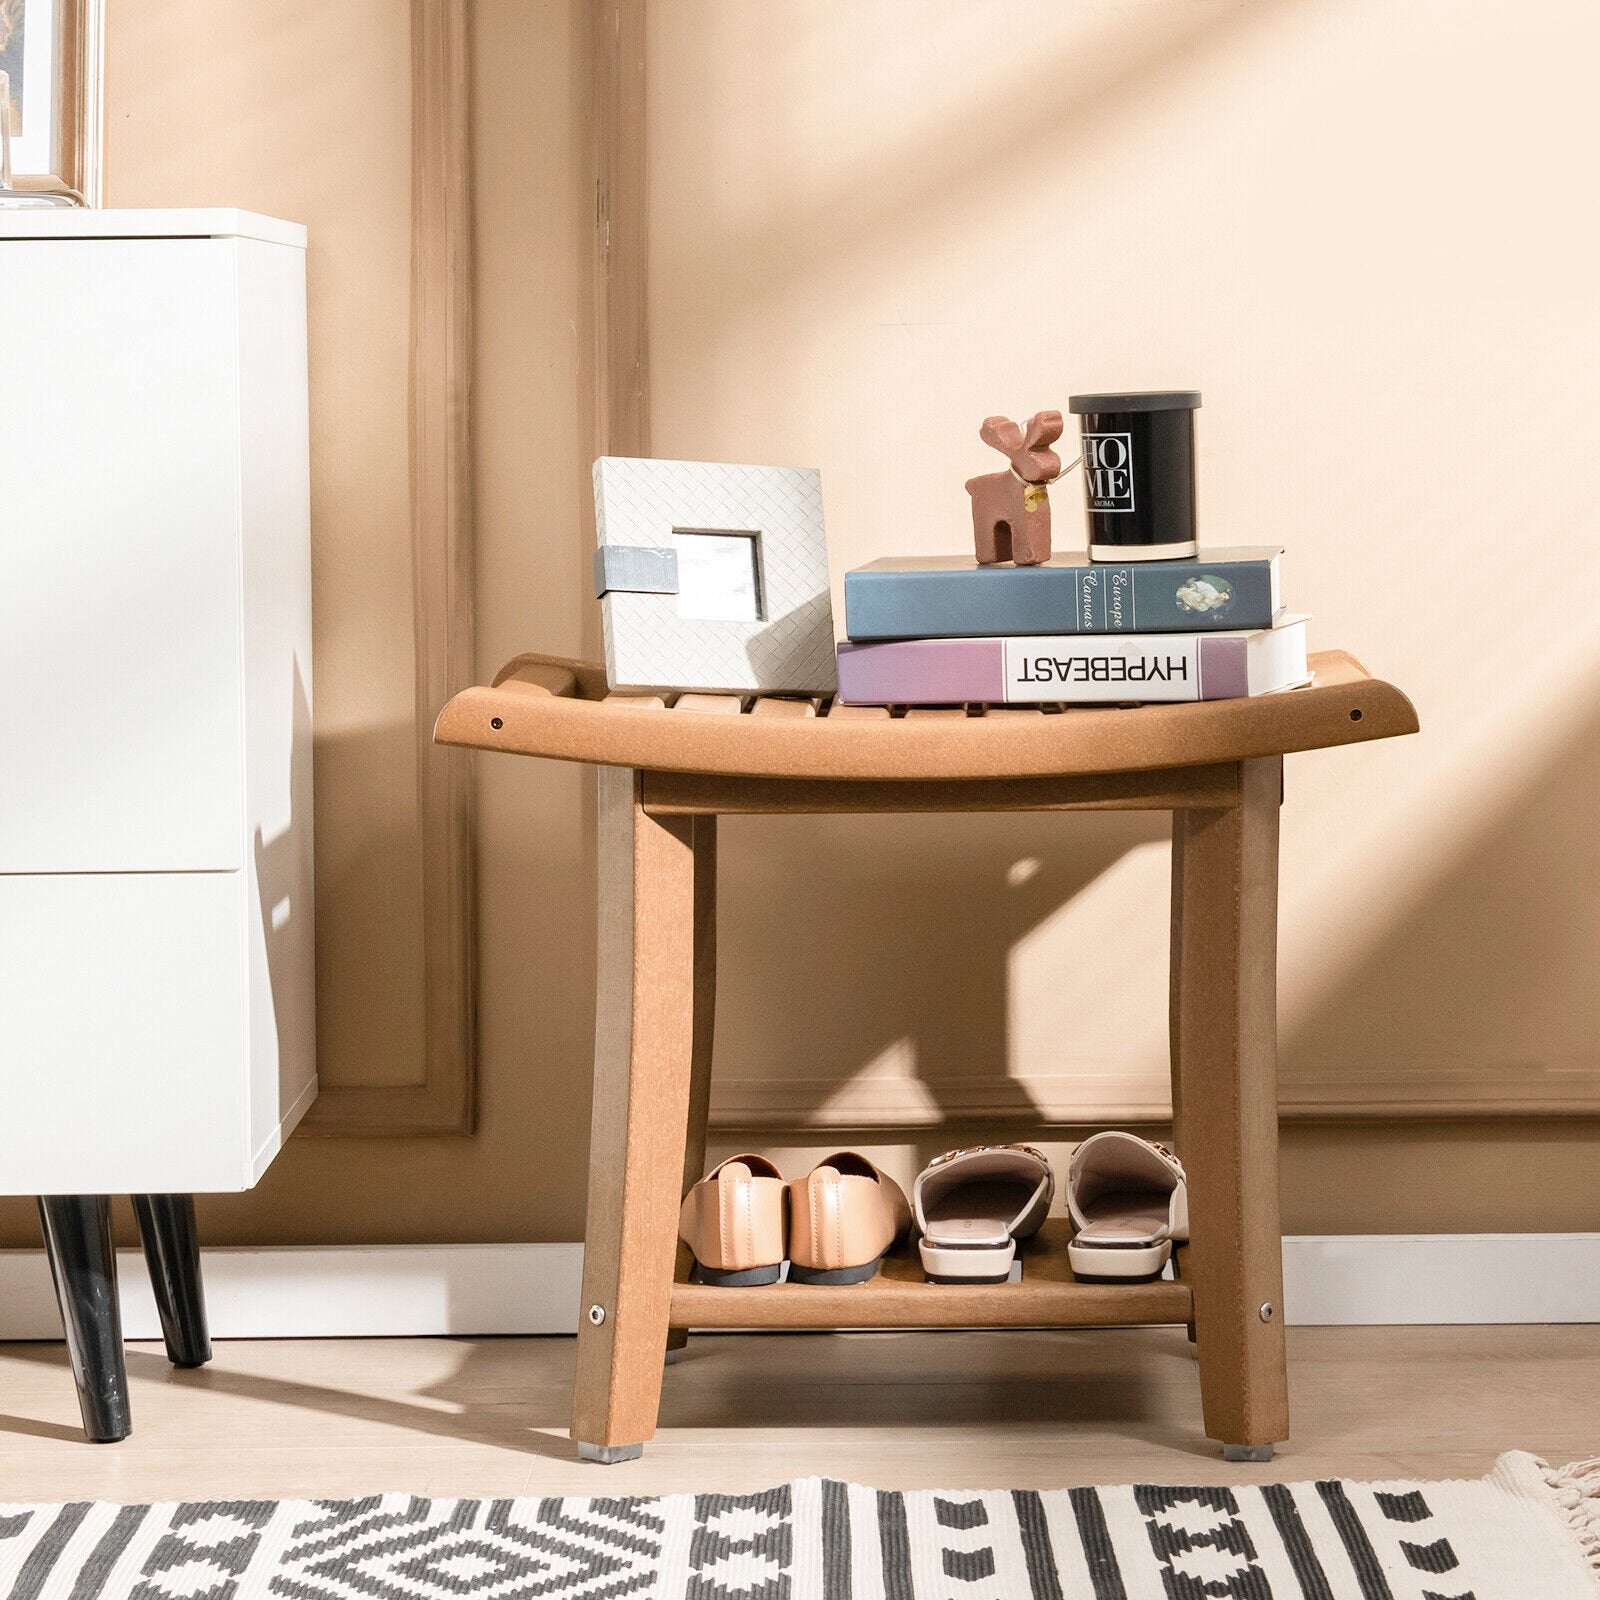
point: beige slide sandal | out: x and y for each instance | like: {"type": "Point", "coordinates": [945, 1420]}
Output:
{"type": "Point", "coordinates": [732, 1220]}
{"type": "Point", "coordinates": [842, 1218]}
{"type": "Point", "coordinates": [1130, 1202]}
{"type": "Point", "coordinates": [973, 1205]}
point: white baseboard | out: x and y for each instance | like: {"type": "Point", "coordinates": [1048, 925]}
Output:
{"type": "Point", "coordinates": [1363, 1279]}
{"type": "Point", "coordinates": [375, 1291]}
{"type": "Point", "coordinates": [332, 1291]}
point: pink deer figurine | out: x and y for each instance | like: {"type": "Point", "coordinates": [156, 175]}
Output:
{"type": "Point", "coordinates": [1011, 509]}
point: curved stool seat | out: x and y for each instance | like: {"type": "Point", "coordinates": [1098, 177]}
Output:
{"type": "Point", "coordinates": [551, 706]}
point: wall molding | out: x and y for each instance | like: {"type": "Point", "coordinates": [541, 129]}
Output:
{"type": "Point", "coordinates": [388, 1291]}
{"type": "Point", "coordinates": [884, 1103]}
{"type": "Point", "coordinates": [621, 313]}
{"type": "Point", "coordinates": [442, 593]}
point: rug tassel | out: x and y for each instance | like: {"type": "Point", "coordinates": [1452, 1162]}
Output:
{"type": "Point", "coordinates": [1577, 1492]}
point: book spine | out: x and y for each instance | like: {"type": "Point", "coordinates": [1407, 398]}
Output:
{"type": "Point", "coordinates": [1061, 670]}
{"type": "Point", "coordinates": [1150, 597]}
{"type": "Point", "coordinates": [1091, 671]}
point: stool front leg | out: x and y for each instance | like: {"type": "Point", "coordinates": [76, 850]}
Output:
{"type": "Point", "coordinates": [644, 1043]}
{"type": "Point", "coordinates": [1224, 1059]}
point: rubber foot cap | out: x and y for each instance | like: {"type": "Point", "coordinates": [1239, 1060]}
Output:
{"type": "Point", "coordinates": [609, 1454]}
{"type": "Point", "coordinates": [1247, 1452]}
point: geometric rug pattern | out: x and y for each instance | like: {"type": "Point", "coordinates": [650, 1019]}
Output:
{"type": "Point", "coordinates": [1525, 1532]}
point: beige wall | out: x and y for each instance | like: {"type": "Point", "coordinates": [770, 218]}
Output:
{"type": "Point", "coordinates": [1356, 225]}
{"type": "Point", "coordinates": [303, 110]}
{"type": "Point", "coordinates": [1352, 225]}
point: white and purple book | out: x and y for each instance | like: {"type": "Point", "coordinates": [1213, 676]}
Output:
{"type": "Point", "coordinates": [1076, 669]}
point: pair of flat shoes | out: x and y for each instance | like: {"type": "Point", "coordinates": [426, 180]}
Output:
{"type": "Point", "coordinates": [1127, 1197]}
{"type": "Point", "coordinates": [742, 1221]}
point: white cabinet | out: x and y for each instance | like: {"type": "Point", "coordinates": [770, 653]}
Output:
{"type": "Point", "coordinates": [156, 983]}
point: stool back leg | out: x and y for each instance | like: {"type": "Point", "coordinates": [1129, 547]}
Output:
{"type": "Point", "coordinates": [644, 1048]}
{"type": "Point", "coordinates": [1224, 1060]}
{"type": "Point", "coordinates": [705, 1008]}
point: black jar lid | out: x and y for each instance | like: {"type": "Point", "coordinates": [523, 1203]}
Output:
{"type": "Point", "coordinates": [1144, 400]}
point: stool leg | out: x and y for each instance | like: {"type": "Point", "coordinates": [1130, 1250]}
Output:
{"type": "Point", "coordinates": [172, 1252]}
{"type": "Point", "coordinates": [644, 1045]}
{"type": "Point", "coordinates": [77, 1239]}
{"type": "Point", "coordinates": [705, 1007]}
{"type": "Point", "coordinates": [1224, 1048]}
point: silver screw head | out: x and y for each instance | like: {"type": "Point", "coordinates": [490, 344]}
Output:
{"type": "Point", "coordinates": [597, 1315]}
{"type": "Point", "coordinates": [1266, 1311]}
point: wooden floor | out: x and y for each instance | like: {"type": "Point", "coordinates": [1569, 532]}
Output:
{"type": "Point", "coordinates": [487, 1416]}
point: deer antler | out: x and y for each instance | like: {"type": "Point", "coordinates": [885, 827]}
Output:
{"type": "Point", "coordinates": [1002, 434]}
{"type": "Point", "coordinates": [1027, 449]}
{"type": "Point", "coordinates": [1044, 428]}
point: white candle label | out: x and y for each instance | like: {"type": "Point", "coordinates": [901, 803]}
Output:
{"type": "Point", "coordinates": [1108, 471]}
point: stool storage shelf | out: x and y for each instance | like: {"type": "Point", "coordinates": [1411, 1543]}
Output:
{"type": "Point", "coordinates": [1047, 1296]}
{"type": "Point", "coordinates": [671, 766]}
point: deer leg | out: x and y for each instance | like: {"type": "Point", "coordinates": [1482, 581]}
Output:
{"type": "Point", "coordinates": [1030, 544]}
{"type": "Point", "coordinates": [983, 540]}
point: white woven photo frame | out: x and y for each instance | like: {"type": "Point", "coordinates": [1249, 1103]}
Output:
{"type": "Point", "coordinates": [777, 635]}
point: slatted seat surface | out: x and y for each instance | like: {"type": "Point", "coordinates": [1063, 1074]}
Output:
{"type": "Point", "coordinates": [542, 705]}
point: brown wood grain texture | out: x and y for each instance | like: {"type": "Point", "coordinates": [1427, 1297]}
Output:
{"type": "Point", "coordinates": [656, 996]}
{"type": "Point", "coordinates": [667, 793]}
{"type": "Point", "coordinates": [704, 836]}
{"type": "Point", "coordinates": [898, 1297]}
{"type": "Point", "coordinates": [713, 705]}
{"type": "Point", "coordinates": [644, 1066]}
{"type": "Point", "coordinates": [1224, 1046]}
{"type": "Point", "coordinates": [1346, 705]}
{"type": "Point", "coordinates": [772, 706]}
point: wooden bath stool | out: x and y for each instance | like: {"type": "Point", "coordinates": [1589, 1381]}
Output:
{"type": "Point", "coordinates": [669, 767]}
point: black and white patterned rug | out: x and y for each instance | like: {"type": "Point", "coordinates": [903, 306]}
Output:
{"type": "Point", "coordinates": [1523, 1533]}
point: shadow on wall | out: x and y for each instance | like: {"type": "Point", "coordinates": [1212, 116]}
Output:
{"type": "Point", "coordinates": [284, 903]}
{"type": "Point", "coordinates": [369, 896]}
{"type": "Point", "coordinates": [895, 937]}
{"type": "Point", "coordinates": [1443, 1001]}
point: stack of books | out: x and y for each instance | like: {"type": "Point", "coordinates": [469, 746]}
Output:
{"type": "Point", "coordinates": [942, 630]}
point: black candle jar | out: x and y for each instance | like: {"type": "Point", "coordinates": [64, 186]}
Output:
{"type": "Point", "coordinates": [1138, 474]}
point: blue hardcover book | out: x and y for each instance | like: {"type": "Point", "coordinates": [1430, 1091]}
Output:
{"type": "Point", "coordinates": [952, 597]}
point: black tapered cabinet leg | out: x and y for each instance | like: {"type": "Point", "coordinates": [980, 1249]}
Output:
{"type": "Point", "coordinates": [77, 1239]}
{"type": "Point", "coordinates": [172, 1248]}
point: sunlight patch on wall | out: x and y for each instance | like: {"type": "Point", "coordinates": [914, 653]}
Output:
{"type": "Point", "coordinates": [889, 1079]}
{"type": "Point", "coordinates": [1087, 987]}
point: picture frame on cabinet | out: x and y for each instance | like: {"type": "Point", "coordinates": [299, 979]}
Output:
{"type": "Point", "coordinates": [713, 577]}
{"type": "Point", "coordinates": [53, 53]}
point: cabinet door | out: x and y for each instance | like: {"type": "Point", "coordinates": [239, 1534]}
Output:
{"type": "Point", "coordinates": [122, 1068]}
{"type": "Point", "coordinates": [120, 677]}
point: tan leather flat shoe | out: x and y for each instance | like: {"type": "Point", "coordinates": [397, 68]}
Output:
{"type": "Point", "coordinates": [842, 1218]}
{"type": "Point", "coordinates": [733, 1222]}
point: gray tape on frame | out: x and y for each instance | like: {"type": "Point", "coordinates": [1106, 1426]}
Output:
{"type": "Point", "coordinates": [634, 569]}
